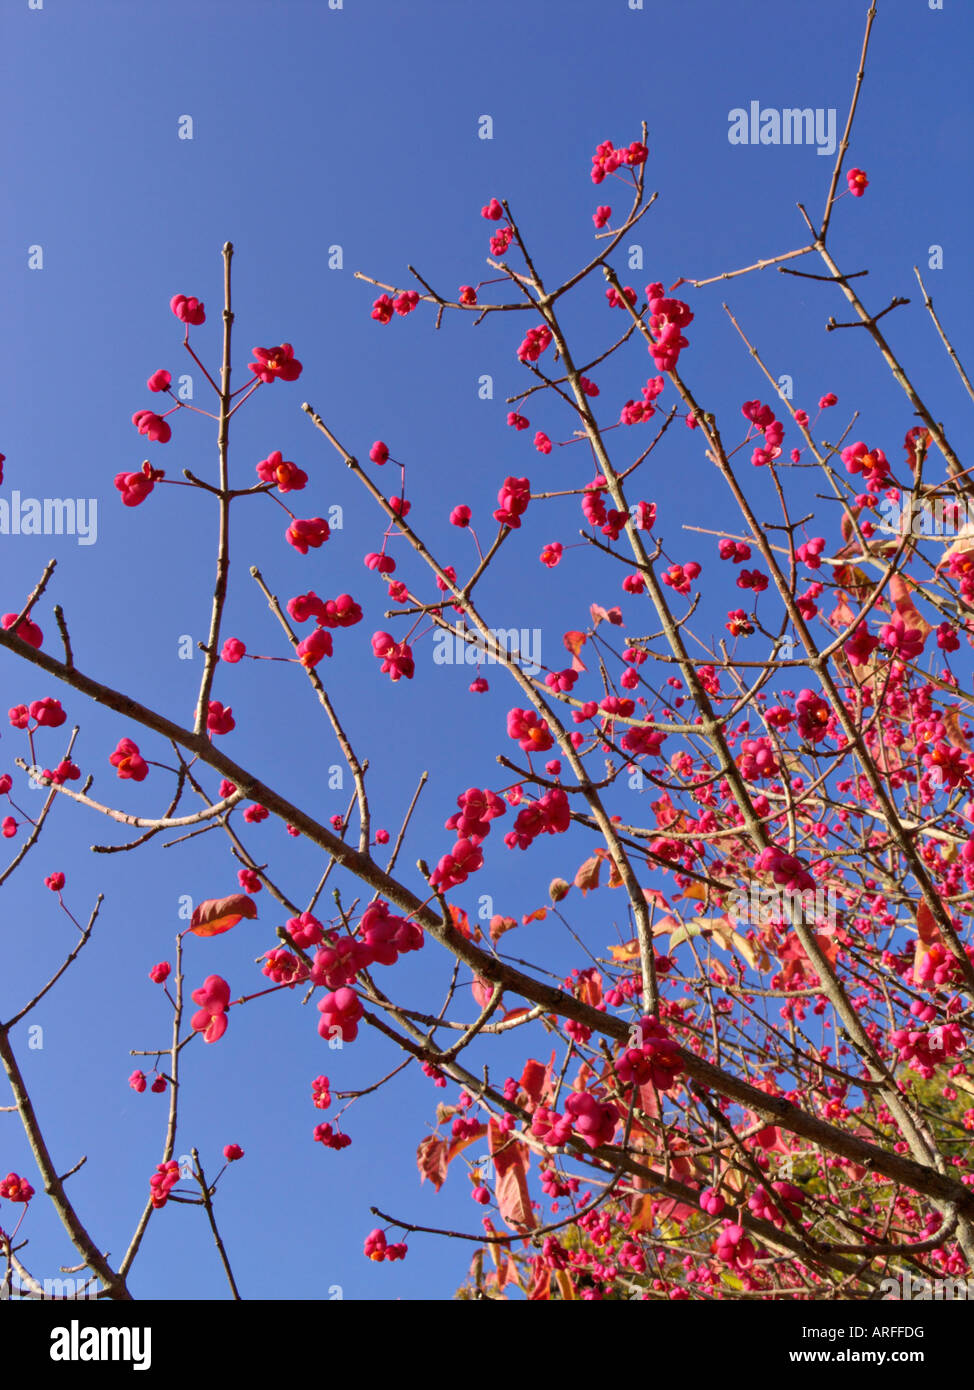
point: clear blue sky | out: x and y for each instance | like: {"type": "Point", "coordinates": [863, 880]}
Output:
{"type": "Point", "coordinates": [358, 127]}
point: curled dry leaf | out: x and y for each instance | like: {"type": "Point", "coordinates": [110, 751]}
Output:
{"type": "Point", "coordinates": [217, 915]}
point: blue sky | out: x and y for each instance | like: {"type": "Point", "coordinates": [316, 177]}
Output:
{"type": "Point", "coordinates": [358, 127]}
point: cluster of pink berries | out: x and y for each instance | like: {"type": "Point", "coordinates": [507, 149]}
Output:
{"type": "Point", "coordinates": [16, 1189]}
{"type": "Point", "coordinates": [376, 1247]}
{"type": "Point", "coordinates": [162, 1182]}
{"type": "Point", "coordinates": [607, 159]}
{"type": "Point", "coordinates": [138, 1082]}
{"type": "Point", "coordinates": [925, 1051]}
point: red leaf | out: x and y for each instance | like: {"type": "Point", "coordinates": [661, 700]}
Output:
{"type": "Point", "coordinates": [533, 1079]}
{"type": "Point", "coordinates": [653, 895]}
{"type": "Point", "coordinates": [514, 1013]}
{"type": "Point", "coordinates": [590, 989]}
{"type": "Point", "coordinates": [218, 915]}
{"type": "Point", "coordinates": [432, 1160]}
{"type": "Point", "coordinates": [511, 1160]}
{"type": "Point", "coordinates": [609, 615]}
{"type": "Point", "coordinates": [847, 522]}
{"type": "Point", "coordinates": [540, 1280]}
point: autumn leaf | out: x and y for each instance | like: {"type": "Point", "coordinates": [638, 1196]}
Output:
{"type": "Point", "coordinates": [642, 1215]}
{"type": "Point", "coordinates": [846, 523]}
{"type": "Point", "coordinates": [950, 718]}
{"type": "Point", "coordinates": [536, 1080]}
{"type": "Point", "coordinates": [462, 923]}
{"type": "Point", "coordinates": [695, 890]}
{"type": "Point", "coordinates": [499, 925]}
{"type": "Point", "coordinates": [721, 974]}
{"type": "Point", "coordinates": [899, 592]}
{"type": "Point", "coordinates": [218, 915]}
{"type": "Point", "coordinates": [666, 923]}
{"type": "Point", "coordinates": [842, 615]}
{"type": "Point", "coordinates": [828, 946]}
{"type": "Point", "coordinates": [507, 1272]}
{"type": "Point", "coordinates": [628, 951]}
{"type": "Point", "coordinates": [655, 898]}
{"type": "Point", "coordinates": [928, 934]}
{"type": "Point", "coordinates": [574, 642]}
{"type": "Point", "coordinates": [514, 1013]}
{"type": "Point", "coordinates": [587, 877]}
{"type": "Point", "coordinates": [432, 1160]}
{"type": "Point", "coordinates": [610, 615]}
{"type": "Point", "coordinates": [540, 1280]}
{"type": "Point", "coordinates": [590, 989]}
{"type": "Point", "coordinates": [511, 1161]}
{"type": "Point", "coordinates": [697, 926]}
{"type": "Point", "coordinates": [926, 926]}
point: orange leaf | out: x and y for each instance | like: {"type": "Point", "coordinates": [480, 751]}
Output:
{"type": "Point", "coordinates": [507, 1272]}
{"type": "Point", "coordinates": [642, 1215]}
{"type": "Point", "coordinates": [615, 877]}
{"type": "Point", "coordinates": [499, 925]}
{"type": "Point", "coordinates": [462, 923]}
{"type": "Point", "coordinates": [695, 890]}
{"type": "Point", "coordinates": [574, 641]}
{"type": "Point", "coordinates": [218, 915]}
{"type": "Point", "coordinates": [629, 951]}
{"type": "Point", "coordinates": [926, 926]}
{"type": "Point", "coordinates": [588, 875]}
{"type": "Point", "coordinates": [538, 915]}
